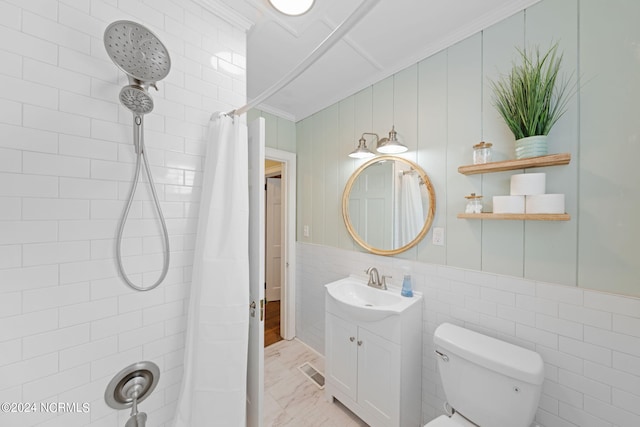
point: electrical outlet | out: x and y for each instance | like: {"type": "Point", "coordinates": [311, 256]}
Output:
{"type": "Point", "coordinates": [438, 236]}
{"type": "Point", "coordinates": [305, 231]}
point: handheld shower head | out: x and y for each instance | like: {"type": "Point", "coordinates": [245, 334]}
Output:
{"type": "Point", "coordinates": [136, 99]}
{"type": "Point", "coordinates": [137, 51]}
{"type": "Point", "coordinates": [145, 60]}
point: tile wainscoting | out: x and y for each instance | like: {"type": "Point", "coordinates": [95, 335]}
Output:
{"type": "Point", "coordinates": [589, 340]}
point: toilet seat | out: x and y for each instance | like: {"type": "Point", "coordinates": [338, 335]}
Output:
{"type": "Point", "coordinates": [455, 420]}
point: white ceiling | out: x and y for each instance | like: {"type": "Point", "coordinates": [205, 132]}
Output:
{"type": "Point", "coordinates": [392, 36]}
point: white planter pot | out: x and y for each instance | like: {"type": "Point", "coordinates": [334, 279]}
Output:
{"type": "Point", "coordinates": [532, 146]}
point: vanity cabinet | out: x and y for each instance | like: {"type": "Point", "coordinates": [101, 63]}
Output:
{"type": "Point", "coordinates": [374, 368]}
{"type": "Point", "coordinates": [363, 367]}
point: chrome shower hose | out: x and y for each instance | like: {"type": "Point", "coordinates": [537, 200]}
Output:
{"type": "Point", "coordinates": [140, 155]}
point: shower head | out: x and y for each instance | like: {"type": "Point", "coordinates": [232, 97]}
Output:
{"type": "Point", "coordinates": [137, 51]}
{"type": "Point", "coordinates": [136, 99]}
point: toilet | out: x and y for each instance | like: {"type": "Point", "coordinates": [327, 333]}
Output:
{"type": "Point", "coordinates": [487, 382]}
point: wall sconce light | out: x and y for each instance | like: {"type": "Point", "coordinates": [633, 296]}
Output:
{"type": "Point", "coordinates": [362, 152]}
{"type": "Point", "coordinates": [391, 145]}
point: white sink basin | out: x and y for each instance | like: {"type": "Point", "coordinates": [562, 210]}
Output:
{"type": "Point", "coordinates": [357, 299]}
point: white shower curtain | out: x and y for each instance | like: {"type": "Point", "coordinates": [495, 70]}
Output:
{"type": "Point", "coordinates": [213, 389]}
{"type": "Point", "coordinates": [412, 214]}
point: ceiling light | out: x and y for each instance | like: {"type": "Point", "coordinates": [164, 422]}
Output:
{"type": "Point", "coordinates": [292, 7]}
{"type": "Point", "coordinates": [391, 145]}
{"type": "Point", "coordinates": [362, 152]}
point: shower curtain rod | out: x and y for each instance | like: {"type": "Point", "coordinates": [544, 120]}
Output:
{"type": "Point", "coordinates": [320, 50]}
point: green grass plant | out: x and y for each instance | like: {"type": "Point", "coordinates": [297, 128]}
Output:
{"type": "Point", "coordinates": [532, 98]}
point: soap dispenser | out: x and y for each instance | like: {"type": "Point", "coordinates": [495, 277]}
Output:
{"type": "Point", "coordinates": [407, 288]}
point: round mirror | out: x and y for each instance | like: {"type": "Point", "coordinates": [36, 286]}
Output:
{"type": "Point", "coordinates": [388, 205]}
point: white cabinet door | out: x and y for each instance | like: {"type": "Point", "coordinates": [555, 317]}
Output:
{"type": "Point", "coordinates": [379, 376]}
{"type": "Point", "coordinates": [342, 355]}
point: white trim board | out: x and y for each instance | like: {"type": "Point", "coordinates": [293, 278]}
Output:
{"type": "Point", "coordinates": [288, 298]}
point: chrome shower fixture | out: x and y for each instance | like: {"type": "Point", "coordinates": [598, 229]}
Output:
{"type": "Point", "coordinates": [137, 52]}
{"type": "Point", "coordinates": [136, 99]}
{"type": "Point", "coordinates": [145, 61]}
{"type": "Point", "coordinates": [131, 386]}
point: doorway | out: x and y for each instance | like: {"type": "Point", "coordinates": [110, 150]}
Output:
{"type": "Point", "coordinates": [280, 208]}
{"type": "Point", "coordinates": [273, 251]}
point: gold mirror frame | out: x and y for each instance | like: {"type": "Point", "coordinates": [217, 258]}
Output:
{"type": "Point", "coordinates": [425, 227]}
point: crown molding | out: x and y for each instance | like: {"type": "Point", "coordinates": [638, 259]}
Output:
{"type": "Point", "coordinates": [226, 13]}
{"type": "Point", "coordinates": [276, 112]}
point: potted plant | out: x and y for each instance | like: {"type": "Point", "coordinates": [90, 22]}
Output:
{"type": "Point", "coordinates": [531, 99]}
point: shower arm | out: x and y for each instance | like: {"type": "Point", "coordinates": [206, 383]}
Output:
{"type": "Point", "coordinates": [339, 32]}
{"type": "Point", "coordinates": [143, 84]}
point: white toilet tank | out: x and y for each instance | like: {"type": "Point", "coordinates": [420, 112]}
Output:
{"type": "Point", "coordinates": [490, 382]}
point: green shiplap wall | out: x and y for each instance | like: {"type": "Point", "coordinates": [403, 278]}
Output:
{"type": "Point", "coordinates": [463, 82]}
{"type": "Point", "coordinates": [431, 153]}
{"type": "Point", "coordinates": [279, 133]}
{"type": "Point", "coordinates": [442, 106]}
{"type": "Point", "coordinates": [609, 131]}
{"type": "Point", "coordinates": [551, 249]}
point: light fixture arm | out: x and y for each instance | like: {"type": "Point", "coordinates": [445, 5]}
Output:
{"type": "Point", "coordinates": [372, 134]}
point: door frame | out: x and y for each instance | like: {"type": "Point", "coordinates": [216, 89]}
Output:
{"type": "Point", "coordinates": [288, 297]}
{"type": "Point", "coordinates": [255, 132]}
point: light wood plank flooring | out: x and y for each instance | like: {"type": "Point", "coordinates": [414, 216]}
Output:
{"type": "Point", "coordinates": [291, 399]}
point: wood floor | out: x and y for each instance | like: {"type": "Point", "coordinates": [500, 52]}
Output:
{"type": "Point", "coordinates": [272, 323]}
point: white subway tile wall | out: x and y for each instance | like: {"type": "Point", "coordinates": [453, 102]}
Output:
{"type": "Point", "coordinates": [68, 323]}
{"type": "Point", "coordinates": [588, 340]}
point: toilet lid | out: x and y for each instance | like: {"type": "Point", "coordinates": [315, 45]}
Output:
{"type": "Point", "coordinates": [455, 421]}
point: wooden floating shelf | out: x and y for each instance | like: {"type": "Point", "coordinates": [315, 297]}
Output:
{"type": "Point", "coordinates": [509, 165]}
{"type": "Point", "coordinates": [531, 217]}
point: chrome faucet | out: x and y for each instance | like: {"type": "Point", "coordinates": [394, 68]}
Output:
{"type": "Point", "coordinates": [374, 279]}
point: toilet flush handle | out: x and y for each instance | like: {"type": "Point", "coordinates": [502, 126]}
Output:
{"type": "Point", "coordinates": [442, 356]}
